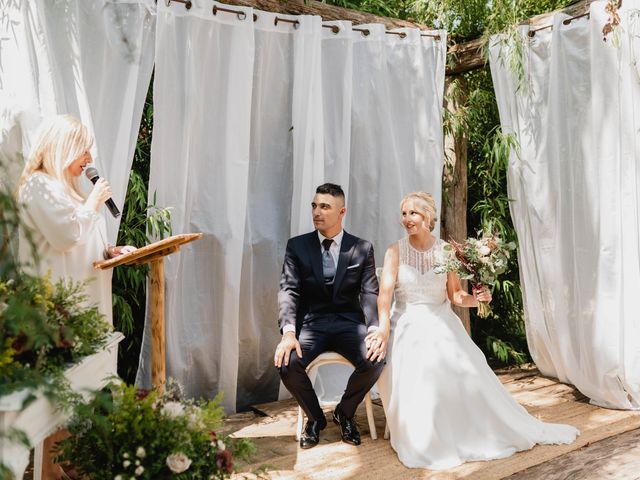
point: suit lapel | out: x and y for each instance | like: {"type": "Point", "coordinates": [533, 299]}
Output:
{"type": "Point", "coordinates": [346, 251]}
{"type": "Point", "coordinates": [313, 243]}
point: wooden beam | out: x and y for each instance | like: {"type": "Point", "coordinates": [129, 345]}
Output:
{"type": "Point", "coordinates": [454, 181]}
{"type": "Point", "coordinates": [326, 11]}
{"type": "Point", "coordinates": [468, 56]}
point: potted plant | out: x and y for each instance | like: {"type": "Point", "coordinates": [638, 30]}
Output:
{"type": "Point", "coordinates": [124, 433]}
{"type": "Point", "coordinates": [52, 348]}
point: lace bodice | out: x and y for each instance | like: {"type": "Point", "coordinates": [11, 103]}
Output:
{"type": "Point", "coordinates": [417, 282]}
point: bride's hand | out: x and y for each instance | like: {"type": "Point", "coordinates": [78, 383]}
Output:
{"type": "Point", "coordinates": [482, 294]}
{"type": "Point", "coordinates": [376, 343]}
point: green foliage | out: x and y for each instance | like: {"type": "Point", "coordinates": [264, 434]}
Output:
{"type": "Point", "coordinates": [503, 335]}
{"type": "Point", "coordinates": [43, 329]}
{"type": "Point", "coordinates": [9, 225]}
{"type": "Point", "coordinates": [125, 433]}
{"type": "Point", "coordinates": [140, 222]}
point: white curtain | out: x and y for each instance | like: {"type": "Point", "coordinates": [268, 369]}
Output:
{"type": "Point", "coordinates": [396, 140]}
{"type": "Point", "coordinates": [89, 58]}
{"type": "Point", "coordinates": [252, 111]}
{"type": "Point", "coordinates": [574, 181]}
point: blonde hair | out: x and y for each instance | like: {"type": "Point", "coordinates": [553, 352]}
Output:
{"type": "Point", "coordinates": [60, 140]}
{"type": "Point", "coordinates": [424, 204]}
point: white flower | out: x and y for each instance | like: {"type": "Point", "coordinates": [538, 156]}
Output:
{"type": "Point", "coordinates": [126, 464]}
{"type": "Point", "coordinates": [221, 445]}
{"type": "Point", "coordinates": [125, 455]}
{"type": "Point", "coordinates": [140, 452]}
{"type": "Point", "coordinates": [194, 421]}
{"type": "Point", "coordinates": [178, 462]}
{"type": "Point", "coordinates": [484, 250]}
{"type": "Point", "coordinates": [137, 463]}
{"type": "Point", "coordinates": [117, 477]}
{"type": "Point", "coordinates": [173, 409]}
{"type": "Point", "coordinates": [139, 471]}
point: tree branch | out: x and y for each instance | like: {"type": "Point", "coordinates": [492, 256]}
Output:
{"type": "Point", "coordinates": [326, 11]}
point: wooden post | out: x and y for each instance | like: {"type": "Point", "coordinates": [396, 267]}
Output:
{"type": "Point", "coordinates": [158, 358]}
{"type": "Point", "coordinates": [454, 198]}
{"type": "Point", "coordinates": [154, 254]}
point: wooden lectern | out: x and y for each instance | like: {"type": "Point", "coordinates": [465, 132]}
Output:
{"type": "Point", "coordinates": [154, 254]}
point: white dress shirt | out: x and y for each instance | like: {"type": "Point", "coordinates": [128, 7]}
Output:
{"type": "Point", "coordinates": [334, 249]}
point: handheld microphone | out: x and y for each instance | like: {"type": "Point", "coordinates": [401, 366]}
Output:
{"type": "Point", "coordinates": [92, 174]}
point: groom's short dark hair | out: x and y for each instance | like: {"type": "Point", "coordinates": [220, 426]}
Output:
{"type": "Point", "coordinates": [331, 189]}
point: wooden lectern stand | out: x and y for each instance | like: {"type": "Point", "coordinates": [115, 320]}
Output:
{"type": "Point", "coordinates": [154, 254]}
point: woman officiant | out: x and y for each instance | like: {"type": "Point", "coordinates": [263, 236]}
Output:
{"type": "Point", "coordinates": [63, 232]}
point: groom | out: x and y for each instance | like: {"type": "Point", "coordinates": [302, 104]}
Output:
{"type": "Point", "coordinates": [327, 300]}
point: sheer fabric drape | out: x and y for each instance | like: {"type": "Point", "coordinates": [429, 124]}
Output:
{"type": "Point", "coordinates": [574, 181]}
{"type": "Point", "coordinates": [250, 116]}
{"type": "Point", "coordinates": [90, 58]}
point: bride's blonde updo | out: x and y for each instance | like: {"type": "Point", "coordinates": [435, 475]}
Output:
{"type": "Point", "coordinates": [424, 204]}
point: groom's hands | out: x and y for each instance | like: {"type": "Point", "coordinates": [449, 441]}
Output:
{"type": "Point", "coordinates": [376, 343]}
{"type": "Point", "coordinates": [283, 350]}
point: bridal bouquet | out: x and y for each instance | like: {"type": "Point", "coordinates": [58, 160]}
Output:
{"type": "Point", "coordinates": [480, 260]}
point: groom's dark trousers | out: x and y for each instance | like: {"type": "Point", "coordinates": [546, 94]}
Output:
{"type": "Point", "coordinates": [332, 317]}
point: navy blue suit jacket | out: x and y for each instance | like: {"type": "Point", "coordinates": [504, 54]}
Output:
{"type": "Point", "coordinates": [303, 294]}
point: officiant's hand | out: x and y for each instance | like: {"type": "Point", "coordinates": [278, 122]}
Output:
{"type": "Point", "coordinates": [376, 343]}
{"type": "Point", "coordinates": [283, 350]}
{"type": "Point", "coordinates": [119, 250]}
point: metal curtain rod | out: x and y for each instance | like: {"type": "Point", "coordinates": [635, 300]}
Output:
{"type": "Point", "coordinates": [566, 21]}
{"type": "Point", "coordinates": [334, 28]}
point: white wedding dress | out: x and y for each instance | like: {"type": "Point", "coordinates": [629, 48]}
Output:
{"type": "Point", "coordinates": [443, 404]}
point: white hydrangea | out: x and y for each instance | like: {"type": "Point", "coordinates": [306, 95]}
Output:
{"type": "Point", "coordinates": [173, 409]}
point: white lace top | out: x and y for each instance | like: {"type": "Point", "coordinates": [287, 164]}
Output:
{"type": "Point", "coordinates": [417, 283]}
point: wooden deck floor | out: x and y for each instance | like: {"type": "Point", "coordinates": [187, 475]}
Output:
{"type": "Point", "coordinates": [272, 428]}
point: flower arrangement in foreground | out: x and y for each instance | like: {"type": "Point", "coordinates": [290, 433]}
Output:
{"type": "Point", "coordinates": [480, 260]}
{"type": "Point", "coordinates": [124, 433]}
{"type": "Point", "coordinates": [44, 328]}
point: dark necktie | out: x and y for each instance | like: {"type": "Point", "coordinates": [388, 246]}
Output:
{"type": "Point", "coordinates": [328, 265]}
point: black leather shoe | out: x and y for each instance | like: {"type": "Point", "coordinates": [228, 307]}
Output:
{"type": "Point", "coordinates": [311, 434]}
{"type": "Point", "coordinates": [348, 428]}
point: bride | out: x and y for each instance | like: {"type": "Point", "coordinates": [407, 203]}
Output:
{"type": "Point", "coordinates": [444, 405]}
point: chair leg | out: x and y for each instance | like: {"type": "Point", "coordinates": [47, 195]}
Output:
{"type": "Point", "coordinates": [386, 430]}
{"type": "Point", "coordinates": [299, 424]}
{"type": "Point", "coordinates": [38, 458]}
{"type": "Point", "coordinates": [370, 419]}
